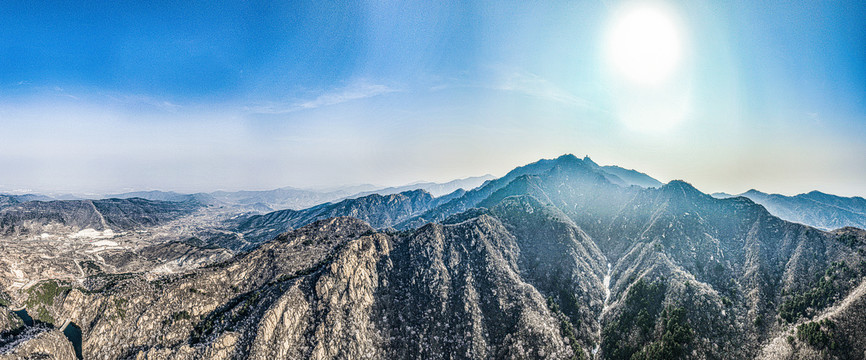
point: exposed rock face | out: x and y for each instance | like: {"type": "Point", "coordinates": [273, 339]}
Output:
{"type": "Point", "coordinates": [8, 320]}
{"type": "Point", "coordinates": [338, 289]}
{"type": "Point", "coordinates": [516, 269]}
{"type": "Point", "coordinates": [48, 344]}
{"type": "Point", "coordinates": [162, 258]}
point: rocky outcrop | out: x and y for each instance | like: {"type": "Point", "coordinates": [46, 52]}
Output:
{"type": "Point", "coordinates": [42, 344]}
{"type": "Point", "coordinates": [338, 289]}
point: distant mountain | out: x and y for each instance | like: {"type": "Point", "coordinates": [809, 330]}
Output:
{"type": "Point", "coordinates": [815, 208]}
{"type": "Point", "coordinates": [278, 199]}
{"type": "Point", "coordinates": [263, 200]}
{"type": "Point", "coordinates": [722, 195]}
{"type": "Point", "coordinates": [348, 189]}
{"type": "Point", "coordinates": [154, 195]}
{"type": "Point", "coordinates": [9, 199]}
{"type": "Point", "coordinates": [435, 189]}
{"type": "Point", "coordinates": [380, 211]}
{"type": "Point", "coordinates": [33, 217]}
{"type": "Point", "coordinates": [268, 200]}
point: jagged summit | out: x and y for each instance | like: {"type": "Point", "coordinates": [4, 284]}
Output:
{"type": "Point", "coordinates": [589, 161]}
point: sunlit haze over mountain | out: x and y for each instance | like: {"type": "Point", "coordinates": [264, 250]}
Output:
{"type": "Point", "coordinates": [104, 96]}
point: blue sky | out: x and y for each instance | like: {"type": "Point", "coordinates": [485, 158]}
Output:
{"type": "Point", "coordinates": [111, 96]}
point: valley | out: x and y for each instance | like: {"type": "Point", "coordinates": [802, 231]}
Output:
{"type": "Point", "coordinates": [560, 258]}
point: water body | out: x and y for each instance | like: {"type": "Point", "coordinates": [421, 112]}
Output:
{"type": "Point", "coordinates": [604, 308]}
{"type": "Point", "coordinates": [73, 333]}
{"type": "Point", "coordinates": [28, 321]}
{"type": "Point", "coordinates": [12, 338]}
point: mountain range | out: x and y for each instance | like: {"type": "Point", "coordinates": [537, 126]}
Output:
{"type": "Point", "coordinates": [823, 211]}
{"type": "Point", "coordinates": [435, 189]}
{"type": "Point", "coordinates": [558, 259]}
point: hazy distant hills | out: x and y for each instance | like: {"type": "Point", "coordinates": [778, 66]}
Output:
{"type": "Point", "coordinates": [435, 189]}
{"type": "Point", "coordinates": [34, 217]}
{"type": "Point", "coordinates": [7, 199]}
{"type": "Point", "coordinates": [815, 208]}
{"type": "Point", "coordinates": [269, 200]}
{"type": "Point", "coordinates": [380, 211]}
{"type": "Point", "coordinates": [558, 259]}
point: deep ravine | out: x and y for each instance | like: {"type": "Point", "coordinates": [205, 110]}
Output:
{"type": "Point", "coordinates": [604, 308]}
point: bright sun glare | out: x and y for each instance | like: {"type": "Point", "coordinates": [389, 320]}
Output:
{"type": "Point", "coordinates": [646, 53]}
{"type": "Point", "coordinates": [644, 44]}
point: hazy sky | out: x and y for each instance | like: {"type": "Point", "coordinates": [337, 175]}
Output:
{"type": "Point", "coordinates": [112, 96]}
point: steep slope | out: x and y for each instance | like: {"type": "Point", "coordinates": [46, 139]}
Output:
{"type": "Point", "coordinates": [723, 271]}
{"type": "Point", "coordinates": [338, 289]}
{"type": "Point", "coordinates": [628, 177]}
{"type": "Point", "coordinates": [632, 177]}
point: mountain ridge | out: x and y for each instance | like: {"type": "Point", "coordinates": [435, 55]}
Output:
{"type": "Point", "coordinates": [520, 267]}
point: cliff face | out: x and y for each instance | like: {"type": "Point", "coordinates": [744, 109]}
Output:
{"type": "Point", "coordinates": [337, 289]}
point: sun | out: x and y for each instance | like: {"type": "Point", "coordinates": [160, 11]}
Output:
{"type": "Point", "coordinates": [644, 45]}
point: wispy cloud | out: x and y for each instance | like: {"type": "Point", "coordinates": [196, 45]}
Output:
{"type": "Point", "coordinates": [62, 92]}
{"type": "Point", "coordinates": [354, 91]}
{"type": "Point", "coordinates": [533, 85]}
{"type": "Point", "coordinates": [145, 100]}
{"type": "Point", "coordinates": [519, 81]}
